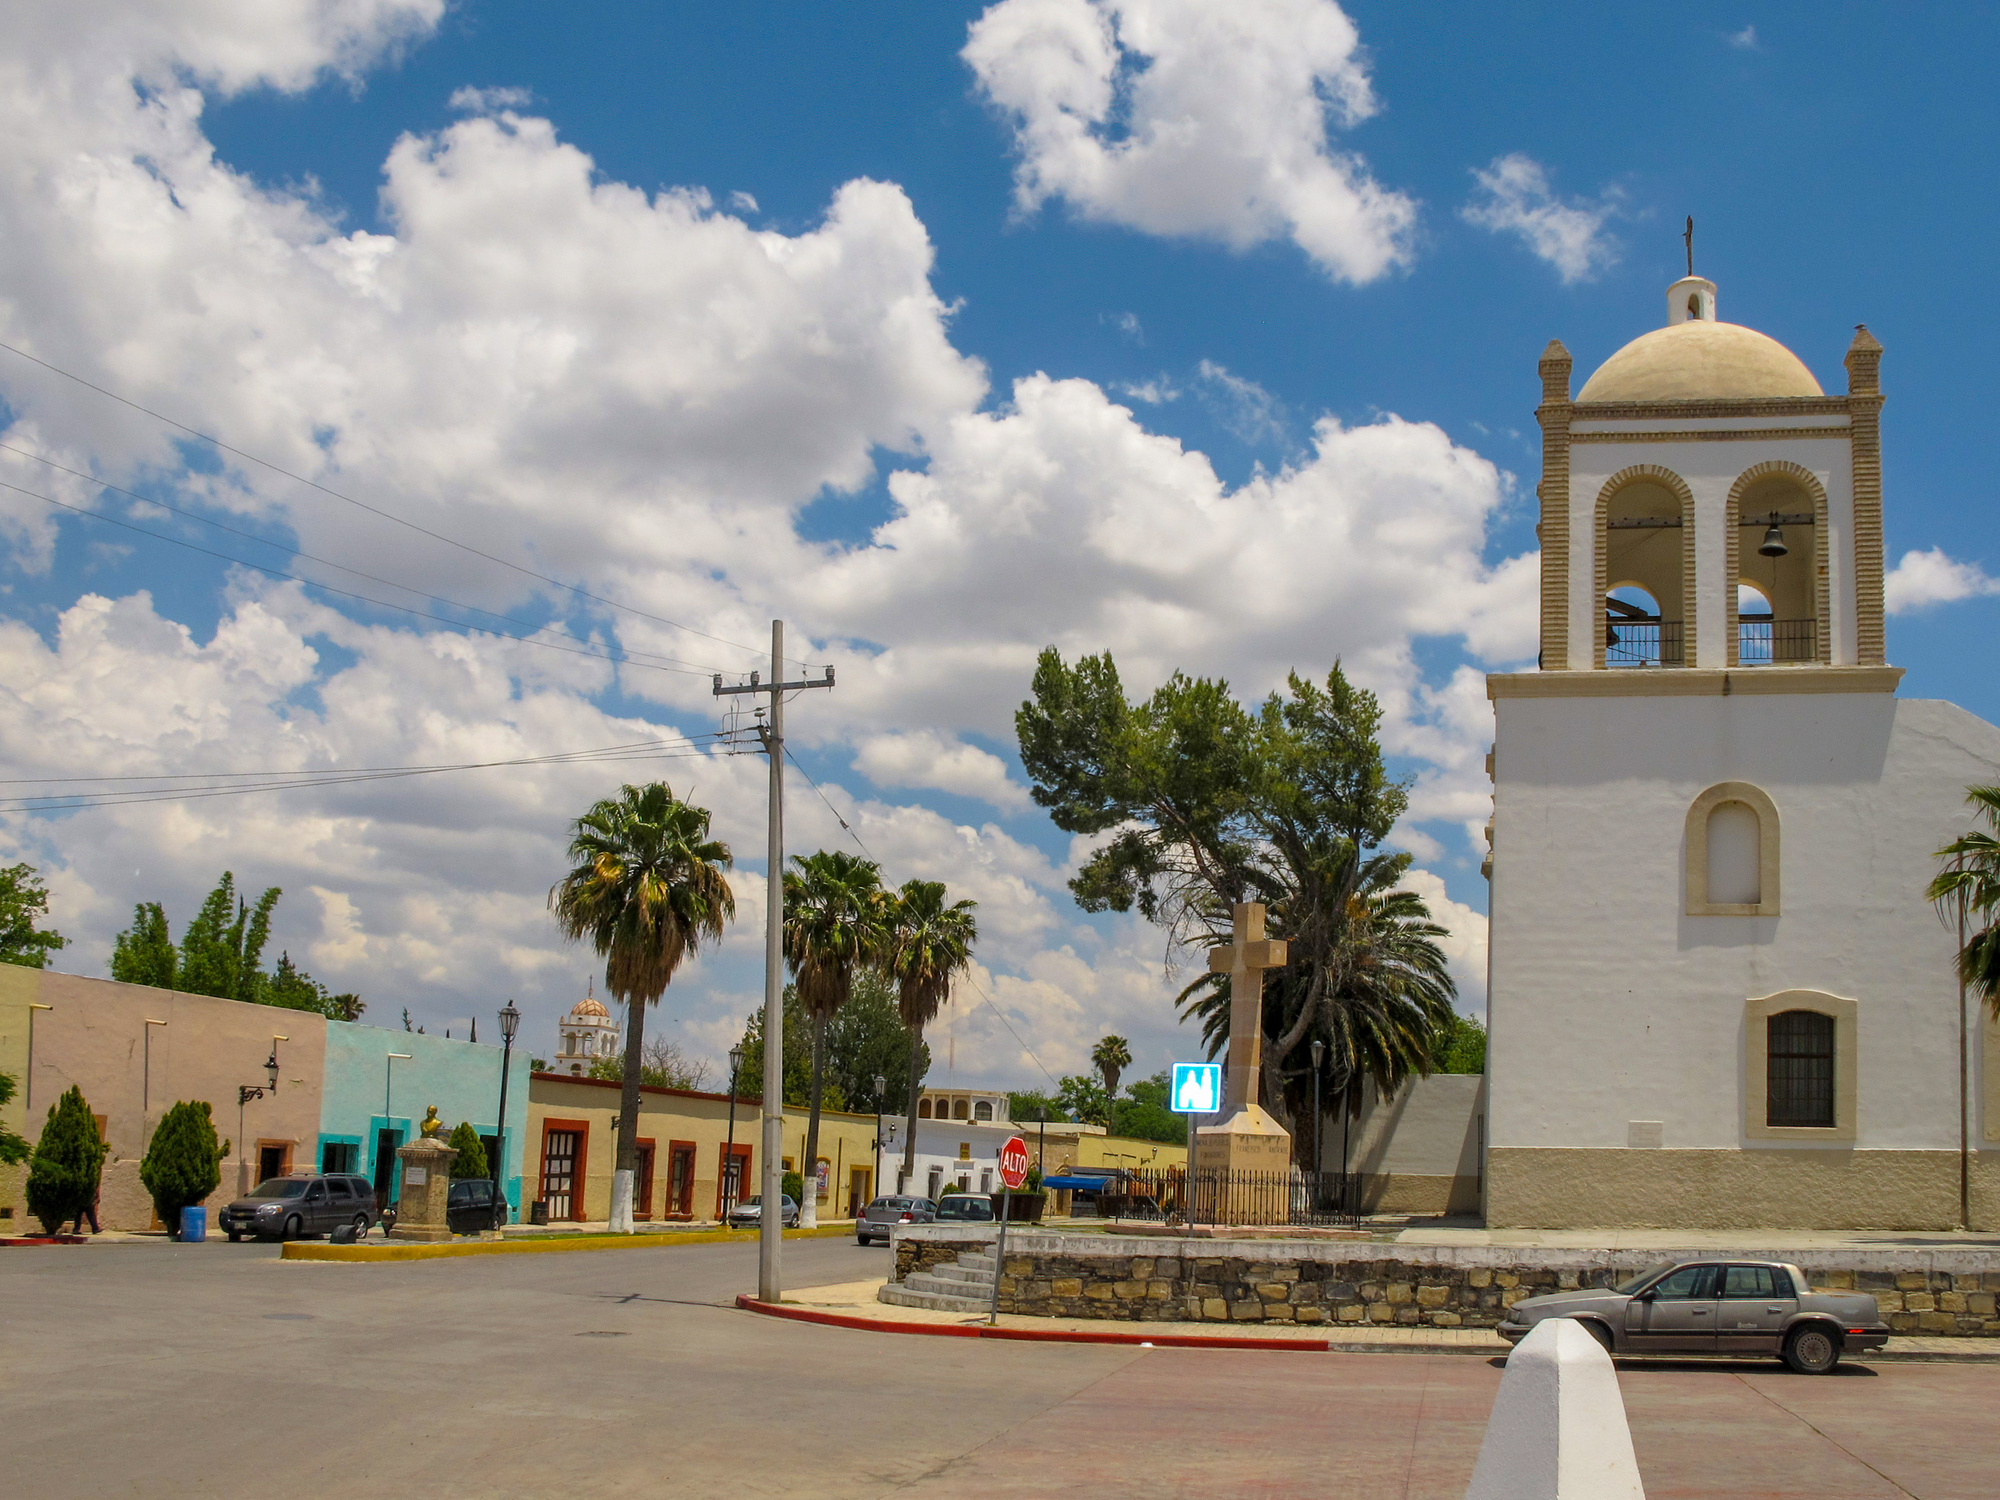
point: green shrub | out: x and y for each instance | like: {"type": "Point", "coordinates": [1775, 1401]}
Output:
{"type": "Point", "coordinates": [471, 1158]}
{"type": "Point", "coordinates": [183, 1162]}
{"type": "Point", "coordinates": [63, 1174]}
{"type": "Point", "coordinates": [1032, 1183]}
{"type": "Point", "coordinates": [795, 1185]}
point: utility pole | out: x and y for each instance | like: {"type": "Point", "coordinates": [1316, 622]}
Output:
{"type": "Point", "coordinates": [771, 1216]}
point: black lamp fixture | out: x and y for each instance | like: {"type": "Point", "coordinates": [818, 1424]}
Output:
{"type": "Point", "coordinates": [271, 1066]}
{"type": "Point", "coordinates": [510, 1021]}
{"type": "Point", "coordinates": [1773, 544]}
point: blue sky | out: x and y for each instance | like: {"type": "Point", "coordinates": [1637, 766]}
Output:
{"type": "Point", "coordinates": [657, 300]}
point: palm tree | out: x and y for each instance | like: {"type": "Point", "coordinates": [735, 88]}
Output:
{"type": "Point", "coordinates": [1111, 1057]}
{"type": "Point", "coordinates": [1970, 889]}
{"type": "Point", "coordinates": [647, 890]}
{"type": "Point", "coordinates": [928, 943]}
{"type": "Point", "coordinates": [1367, 979]}
{"type": "Point", "coordinates": [834, 905]}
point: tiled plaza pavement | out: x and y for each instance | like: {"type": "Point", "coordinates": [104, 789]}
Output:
{"type": "Point", "coordinates": [224, 1372]}
{"type": "Point", "coordinates": [1367, 1427]}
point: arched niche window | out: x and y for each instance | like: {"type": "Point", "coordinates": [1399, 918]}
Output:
{"type": "Point", "coordinates": [1732, 852]}
{"type": "Point", "coordinates": [923, 1109]}
{"type": "Point", "coordinates": [1800, 1066]}
{"type": "Point", "coordinates": [958, 1109]}
{"type": "Point", "coordinates": [982, 1110]}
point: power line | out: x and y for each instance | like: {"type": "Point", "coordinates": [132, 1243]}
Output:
{"type": "Point", "coordinates": [376, 511]}
{"type": "Point", "coordinates": [325, 561]}
{"type": "Point", "coordinates": [995, 1008]}
{"type": "Point", "coordinates": [73, 802]}
{"type": "Point", "coordinates": [557, 756]}
{"type": "Point", "coordinates": [988, 999]}
{"type": "Point", "coordinates": [829, 805]}
{"type": "Point", "coordinates": [422, 614]}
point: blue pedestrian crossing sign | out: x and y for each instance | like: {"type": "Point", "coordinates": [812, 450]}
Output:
{"type": "Point", "coordinates": [1197, 1088]}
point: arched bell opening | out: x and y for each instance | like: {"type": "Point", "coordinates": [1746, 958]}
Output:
{"type": "Point", "coordinates": [1643, 547]}
{"type": "Point", "coordinates": [1633, 629]}
{"type": "Point", "coordinates": [1778, 562]}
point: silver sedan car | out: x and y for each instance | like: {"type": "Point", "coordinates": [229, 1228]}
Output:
{"type": "Point", "coordinates": [1716, 1307]}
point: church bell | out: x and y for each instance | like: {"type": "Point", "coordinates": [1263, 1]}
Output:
{"type": "Point", "coordinates": [1773, 544]}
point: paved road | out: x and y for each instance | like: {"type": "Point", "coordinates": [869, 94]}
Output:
{"type": "Point", "coordinates": [218, 1370]}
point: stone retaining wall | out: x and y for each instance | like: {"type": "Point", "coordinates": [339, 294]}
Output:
{"type": "Point", "coordinates": [1221, 1281]}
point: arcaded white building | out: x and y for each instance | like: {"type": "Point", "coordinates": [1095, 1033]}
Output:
{"type": "Point", "coordinates": [1718, 997]}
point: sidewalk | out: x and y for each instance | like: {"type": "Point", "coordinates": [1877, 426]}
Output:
{"type": "Point", "coordinates": [855, 1300]}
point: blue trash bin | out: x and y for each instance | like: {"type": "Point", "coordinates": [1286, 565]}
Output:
{"type": "Point", "coordinates": [194, 1224]}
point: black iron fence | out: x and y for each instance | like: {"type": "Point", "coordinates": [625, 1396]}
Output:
{"type": "Point", "coordinates": [1762, 641]}
{"type": "Point", "coordinates": [1642, 643]}
{"type": "Point", "coordinates": [1216, 1195]}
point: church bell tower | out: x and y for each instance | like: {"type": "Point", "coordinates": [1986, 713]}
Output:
{"type": "Point", "coordinates": [1718, 998]}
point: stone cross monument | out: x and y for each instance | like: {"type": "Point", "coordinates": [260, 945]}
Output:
{"type": "Point", "coordinates": [1247, 1139]}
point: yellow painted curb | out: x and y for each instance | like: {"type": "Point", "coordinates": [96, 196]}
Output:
{"type": "Point", "coordinates": [539, 1245]}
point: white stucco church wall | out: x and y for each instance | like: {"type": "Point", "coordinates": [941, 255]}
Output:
{"type": "Point", "coordinates": [1718, 997]}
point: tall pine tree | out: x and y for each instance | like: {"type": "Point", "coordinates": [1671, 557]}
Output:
{"type": "Point", "coordinates": [144, 953]}
{"type": "Point", "coordinates": [183, 1161]}
{"type": "Point", "coordinates": [63, 1175]}
{"type": "Point", "coordinates": [471, 1158]}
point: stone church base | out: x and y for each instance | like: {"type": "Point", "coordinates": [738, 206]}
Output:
{"type": "Point", "coordinates": [1532, 1188]}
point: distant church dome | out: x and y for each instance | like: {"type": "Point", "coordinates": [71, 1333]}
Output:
{"type": "Point", "coordinates": [590, 1005]}
{"type": "Point", "coordinates": [1697, 358]}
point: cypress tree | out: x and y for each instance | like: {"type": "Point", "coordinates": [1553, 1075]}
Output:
{"type": "Point", "coordinates": [471, 1158]}
{"type": "Point", "coordinates": [183, 1162]}
{"type": "Point", "coordinates": [63, 1175]}
{"type": "Point", "coordinates": [144, 953]}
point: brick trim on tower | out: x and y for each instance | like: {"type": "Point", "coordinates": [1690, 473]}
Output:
{"type": "Point", "coordinates": [1553, 529]}
{"type": "Point", "coordinates": [1864, 407]}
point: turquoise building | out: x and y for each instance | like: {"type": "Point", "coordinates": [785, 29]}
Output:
{"type": "Point", "coordinates": [378, 1084]}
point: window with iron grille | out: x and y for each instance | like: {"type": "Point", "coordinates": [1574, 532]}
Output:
{"type": "Point", "coordinates": [1799, 1069]}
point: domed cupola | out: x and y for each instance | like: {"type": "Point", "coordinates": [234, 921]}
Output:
{"type": "Point", "coordinates": [1696, 357]}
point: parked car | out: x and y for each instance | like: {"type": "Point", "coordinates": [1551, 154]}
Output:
{"type": "Point", "coordinates": [751, 1211]}
{"type": "Point", "coordinates": [964, 1208]}
{"type": "Point", "coordinates": [878, 1217]}
{"type": "Point", "coordinates": [1716, 1307]}
{"type": "Point", "coordinates": [286, 1208]}
{"type": "Point", "coordinates": [470, 1206]}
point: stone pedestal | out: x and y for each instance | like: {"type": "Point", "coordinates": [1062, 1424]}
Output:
{"type": "Point", "coordinates": [424, 1171]}
{"type": "Point", "coordinates": [1249, 1141]}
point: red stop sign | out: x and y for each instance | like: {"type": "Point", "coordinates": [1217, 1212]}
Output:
{"type": "Point", "coordinates": [1014, 1162]}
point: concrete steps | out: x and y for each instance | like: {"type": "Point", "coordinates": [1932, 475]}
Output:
{"type": "Point", "coordinates": [966, 1286]}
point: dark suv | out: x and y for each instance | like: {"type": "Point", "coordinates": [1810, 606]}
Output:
{"type": "Point", "coordinates": [284, 1208]}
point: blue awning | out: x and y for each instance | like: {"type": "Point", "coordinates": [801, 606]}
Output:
{"type": "Point", "coordinates": [1087, 1184]}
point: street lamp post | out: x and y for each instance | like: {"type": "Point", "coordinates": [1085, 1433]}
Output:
{"type": "Point", "coordinates": [388, 1120]}
{"type": "Point", "coordinates": [146, 1086]}
{"type": "Point", "coordinates": [510, 1021]}
{"type": "Point", "coordinates": [28, 1084]}
{"type": "Point", "coordinates": [1319, 1125]}
{"type": "Point", "coordinates": [875, 1182]}
{"type": "Point", "coordinates": [729, 1151]}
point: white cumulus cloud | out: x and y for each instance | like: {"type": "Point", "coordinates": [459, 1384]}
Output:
{"type": "Point", "coordinates": [1517, 198]}
{"type": "Point", "coordinates": [1184, 117]}
{"type": "Point", "coordinates": [640, 392]}
{"type": "Point", "coordinates": [924, 758]}
{"type": "Point", "coordinates": [1932, 577]}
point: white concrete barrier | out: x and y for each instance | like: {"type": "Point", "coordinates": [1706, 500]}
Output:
{"type": "Point", "coordinates": [1558, 1429]}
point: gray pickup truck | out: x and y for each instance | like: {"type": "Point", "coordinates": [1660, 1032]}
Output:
{"type": "Point", "coordinates": [1716, 1307]}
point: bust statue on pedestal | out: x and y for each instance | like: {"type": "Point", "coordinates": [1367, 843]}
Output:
{"type": "Point", "coordinates": [424, 1167]}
